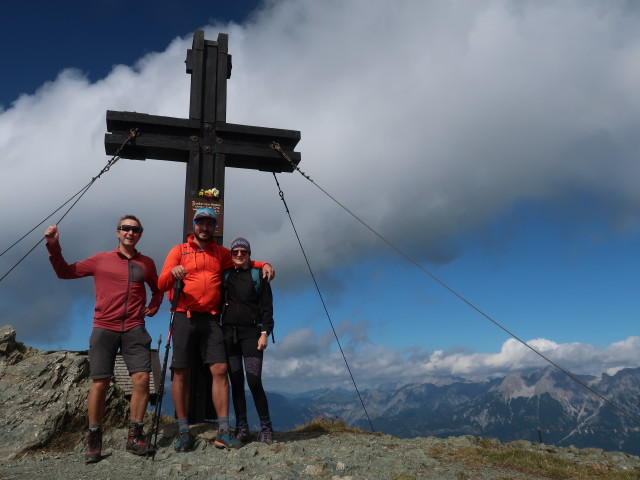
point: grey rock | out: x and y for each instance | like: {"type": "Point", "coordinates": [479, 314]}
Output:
{"type": "Point", "coordinates": [44, 397]}
{"type": "Point", "coordinates": [7, 340]}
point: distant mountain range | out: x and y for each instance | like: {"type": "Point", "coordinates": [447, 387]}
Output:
{"type": "Point", "coordinates": [542, 405]}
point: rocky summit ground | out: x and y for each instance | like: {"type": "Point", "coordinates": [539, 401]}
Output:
{"type": "Point", "coordinates": [321, 455]}
{"type": "Point", "coordinates": [44, 395]}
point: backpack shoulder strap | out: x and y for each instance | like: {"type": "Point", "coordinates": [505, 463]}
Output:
{"type": "Point", "coordinates": [255, 276]}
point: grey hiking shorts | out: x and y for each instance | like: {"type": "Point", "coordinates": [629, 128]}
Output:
{"type": "Point", "coordinates": [135, 345]}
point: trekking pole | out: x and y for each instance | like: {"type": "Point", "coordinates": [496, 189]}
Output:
{"type": "Point", "coordinates": [155, 423]}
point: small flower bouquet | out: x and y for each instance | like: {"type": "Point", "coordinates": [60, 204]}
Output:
{"type": "Point", "coordinates": [210, 194]}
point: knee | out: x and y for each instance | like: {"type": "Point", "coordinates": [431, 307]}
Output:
{"type": "Point", "coordinates": [237, 381]}
{"type": "Point", "coordinates": [253, 381]}
{"type": "Point", "coordinates": [219, 370]}
{"type": "Point", "coordinates": [140, 380]}
{"type": "Point", "coordinates": [100, 385]}
{"type": "Point", "coordinates": [180, 374]}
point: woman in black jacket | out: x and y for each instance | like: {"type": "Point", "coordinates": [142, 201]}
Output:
{"type": "Point", "coordinates": [247, 322]}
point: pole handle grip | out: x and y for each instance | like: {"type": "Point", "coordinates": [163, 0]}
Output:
{"type": "Point", "coordinates": [177, 290]}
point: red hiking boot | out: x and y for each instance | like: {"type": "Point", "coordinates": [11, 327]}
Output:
{"type": "Point", "coordinates": [94, 447]}
{"type": "Point", "coordinates": [136, 443]}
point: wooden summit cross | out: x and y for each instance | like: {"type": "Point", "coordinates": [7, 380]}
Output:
{"type": "Point", "coordinates": [204, 141]}
{"type": "Point", "coordinates": [207, 144]}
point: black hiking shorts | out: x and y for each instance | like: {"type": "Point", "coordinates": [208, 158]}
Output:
{"type": "Point", "coordinates": [201, 333]}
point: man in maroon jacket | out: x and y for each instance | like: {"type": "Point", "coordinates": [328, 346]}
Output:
{"type": "Point", "coordinates": [119, 277]}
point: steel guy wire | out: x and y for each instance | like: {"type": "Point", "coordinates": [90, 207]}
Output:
{"type": "Point", "coordinates": [44, 220]}
{"type": "Point", "coordinates": [132, 134]}
{"type": "Point", "coordinates": [335, 334]}
{"type": "Point", "coordinates": [633, 417]}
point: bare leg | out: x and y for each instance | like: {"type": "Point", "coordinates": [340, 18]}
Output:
{"type": "Point", "coordinates": [97, 400]}
{"type": "Point", "coordinates": [220, 388]}
{"type": "Point", "coordinates": [139, 396]}
{"type": "Point", "coordinates": [180, 391]}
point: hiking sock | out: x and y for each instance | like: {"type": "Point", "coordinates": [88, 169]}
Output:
{"type": "Point", "coordinates": [183, 424]}
{"type": "Point", "coordinates": [94, 426]}
{"type": "Point", "coordinates": [223, 424]}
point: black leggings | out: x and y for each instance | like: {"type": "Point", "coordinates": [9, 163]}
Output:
{"type": "Point", "coordinates": [247, 349]}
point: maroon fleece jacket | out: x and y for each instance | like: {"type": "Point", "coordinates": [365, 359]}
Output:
{"type": "Point", "coordinates": [119, 284]}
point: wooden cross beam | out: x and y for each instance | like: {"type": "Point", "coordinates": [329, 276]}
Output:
{"type": "Point", "coordinates": [207, 144]}
{"type": "Point", "coordinates": [204, 141]}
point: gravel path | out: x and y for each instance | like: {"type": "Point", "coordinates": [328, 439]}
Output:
{"type": "Point", "coordinates": [336, 456]}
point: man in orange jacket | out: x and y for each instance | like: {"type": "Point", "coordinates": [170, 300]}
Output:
{"type": "Point", "coordinates": [199, 263]}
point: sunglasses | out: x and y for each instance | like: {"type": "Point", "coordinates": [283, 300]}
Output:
{"type": "Point", "coordinates": [130, 228]}
{"type": "Point", "coordinates": [239, 253]}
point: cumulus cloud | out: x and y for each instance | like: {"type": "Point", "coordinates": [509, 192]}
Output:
{"type": "Point", "coordinates": [428, 119]}
{"type": "Point", "coordinates": [372, 365]}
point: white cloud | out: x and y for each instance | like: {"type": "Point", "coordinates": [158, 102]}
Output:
{"type": "Point", "coordinates": [374, 365]}
{"type": "Point", "coordinates": [428, 119]}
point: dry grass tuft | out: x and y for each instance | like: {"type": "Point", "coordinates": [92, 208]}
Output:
{"type": "Point", "coordinates": [328, 425]}
{"type": "Point", "coordinates": [528, 462]}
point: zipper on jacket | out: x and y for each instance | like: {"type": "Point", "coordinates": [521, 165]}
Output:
{"type": "Point", "coordinates": [126, 298]}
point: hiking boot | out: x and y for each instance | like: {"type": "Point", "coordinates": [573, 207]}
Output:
{"type": "Point", "coordinates": [94, 447]}
{"type": "Point", "coordinates": [136, 442]}
{"type": "Point", "coordinates": [227, 440]}
{"type": "Point", "coordinates": [184, 442]}
{"type": "Point", "coordinates": [242, 433]}
{"type": "Point", "coordinates": [265, 434]}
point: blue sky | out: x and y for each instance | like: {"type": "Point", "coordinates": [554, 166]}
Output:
{"type": "Point", "coordinates": [494, 142]}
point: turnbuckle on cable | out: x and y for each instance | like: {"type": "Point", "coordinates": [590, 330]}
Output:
{"type": "Point", "coordinates": [276, 146]}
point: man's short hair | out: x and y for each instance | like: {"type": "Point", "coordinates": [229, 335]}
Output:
{"type": "Point", "coordinates": [130, 217]}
